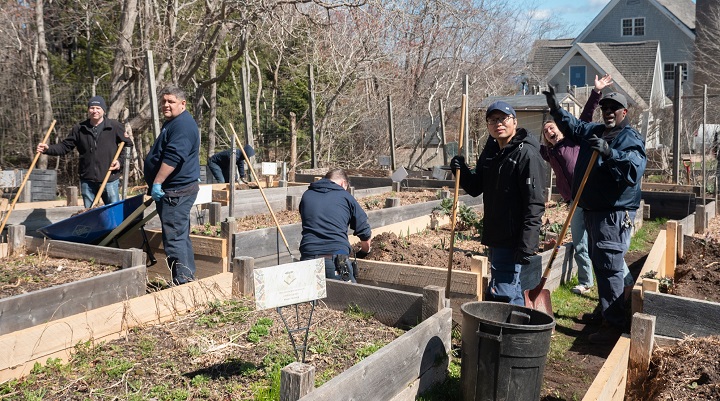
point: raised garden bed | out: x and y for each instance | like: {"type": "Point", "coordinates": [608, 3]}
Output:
{"type": "Point", "coordinates": [118, 275]}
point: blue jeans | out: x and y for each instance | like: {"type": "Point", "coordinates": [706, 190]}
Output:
{"type": "Point", "coordinates": [174, 213]}
{"type": "Point", "coordinates": [330, 271]}
{"type": "Point", "coordinates": [580, 245]}
{"type": "Point", "coordinates": [217, 171]}
{"type": "Point", "coordinates": [504, 277]}
{"type": "Point", "coordinates": [89, 190]}
{"type": "Point", "coordinates": [608, 239]}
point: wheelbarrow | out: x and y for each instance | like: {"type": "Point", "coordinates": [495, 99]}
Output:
{"type": "Point", "coordinates": [105, 224]}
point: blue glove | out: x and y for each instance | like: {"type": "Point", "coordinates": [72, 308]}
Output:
{"type": "Point", "coordinates": [157, 193]}
{"type": "Point", "coordinates": [600, 145]}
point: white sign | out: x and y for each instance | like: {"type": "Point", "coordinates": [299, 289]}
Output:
{"type": "Point", "coordinates": [289, 284]}
{"type": "Point", "coordinates": [269, 168]}
{"type": "Point", "coordinates": [384, 161]}
{"type": "Point", "coordinates": [204, 195]}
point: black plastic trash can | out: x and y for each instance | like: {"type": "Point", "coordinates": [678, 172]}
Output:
{"type": "Point", "coordinates": [504, 349]}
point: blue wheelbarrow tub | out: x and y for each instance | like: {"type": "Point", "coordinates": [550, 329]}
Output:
{"type": "Point", "coordinates": [92, 226]}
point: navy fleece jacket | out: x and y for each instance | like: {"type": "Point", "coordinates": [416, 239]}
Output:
{"type": "Point", "coordinates": [326, 210]}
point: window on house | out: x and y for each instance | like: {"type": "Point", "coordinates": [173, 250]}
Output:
{"type": "Point", "coordinates": [669, 71]}
{"type": "Point", "coordinates": [633, 26]}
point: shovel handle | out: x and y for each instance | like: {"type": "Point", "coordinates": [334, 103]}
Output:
{"type": "Point", "coordinates": [455, 198]}
{"type": "Point", "coordinates": [573, 206]}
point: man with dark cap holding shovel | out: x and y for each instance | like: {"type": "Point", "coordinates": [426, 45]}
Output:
{"type": "Point", "coordinates": [97, 140]}
{"type": "Point", "coordinates": [509, 175]}
{"type": "Point", "coordinates": [220, 163]}
{"type": "Point", "coordinates": [609, 200]}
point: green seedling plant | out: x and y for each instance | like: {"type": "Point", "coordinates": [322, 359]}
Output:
{"type": "Point", "coordinates": [666, 285]}
{"type": "Point", "coordinates": [260, 329]}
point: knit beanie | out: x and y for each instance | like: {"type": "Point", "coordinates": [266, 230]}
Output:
{"type": "Point", "coordinates": [97, 101]}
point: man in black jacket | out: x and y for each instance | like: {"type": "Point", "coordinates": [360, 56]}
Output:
{"type": "Point", "coordinates": [97, 140]}
{"type": "Point", "coordinates": [326, 210]}
{"type": "Point", "coordinates": [509, 174]}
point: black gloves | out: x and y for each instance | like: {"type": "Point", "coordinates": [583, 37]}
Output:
{"type": "Point", "coordinates": [600, 145]}
{"type": "Point", "coordinates": [458, 163]}
{"type": "Point", "coordinates": [360, 254]}
{"type": "Point", "coordinates": [522, 258]}
{"type": "Point", "coordinates": [551, 99]}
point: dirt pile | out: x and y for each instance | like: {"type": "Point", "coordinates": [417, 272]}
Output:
{"type": "Point", "coordinates": [388, 247]}
{"type": "Point", "coordinates": [697, 274]}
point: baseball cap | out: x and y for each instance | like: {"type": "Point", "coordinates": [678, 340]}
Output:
{"type": "Point", "coordinates": [616, 97]}
{"type": "Point", "coordinates": [500, 106]}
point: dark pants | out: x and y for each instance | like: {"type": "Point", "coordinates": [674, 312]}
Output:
{"type": "Point", "coordinates": [330, 271]}
{"type": "Point", "coordinates": [608, 238]}
{"type": "Point", "coordinates": [220, 172]}
{"type": "Point", "coordinates": [174, 213]}
{"type": "Point", "coordinates": [504, 277]}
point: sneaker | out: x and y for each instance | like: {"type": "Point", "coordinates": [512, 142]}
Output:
{"type": "Point", "coordinates": [580, 289]}
{"type": "Point", "coordinates": [591, 318]}
{"type": "Point", "coordinates": [607, 335]}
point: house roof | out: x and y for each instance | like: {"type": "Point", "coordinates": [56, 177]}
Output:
{"type": "Point", "coordinates": [631, 65]}
{"type": "Point", "coordinates": [544, 55]}
{"type": "Point", "coordinates": [527, 102]}
{"type": "Point", "coordinates": [681, 12]}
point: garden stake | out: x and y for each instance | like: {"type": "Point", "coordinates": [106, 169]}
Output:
{"type": "Point", "coordinates": [539, 298]}
{"type": "Point", "coordinates": [455, 198]}
{"type": "Point", "coordinates": [27, 176]}
{"type": "Point", "coordinates": [98, 195]}
{"type": "Point", "coordinates": [257, 181]}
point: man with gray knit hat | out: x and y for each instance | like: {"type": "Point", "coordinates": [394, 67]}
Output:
{"type": "Point", "coordinates": [97, 140]}
{"type": "Point", "coordinates": [509, 174]}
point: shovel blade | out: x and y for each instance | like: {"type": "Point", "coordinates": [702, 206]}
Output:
{"type": "Point", "coordinates": [539, 299]}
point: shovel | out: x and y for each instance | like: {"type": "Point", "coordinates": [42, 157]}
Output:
{"type": "Point", "coordinates": [539, 298]}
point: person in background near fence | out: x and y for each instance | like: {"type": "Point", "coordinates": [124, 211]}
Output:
{"type": "Point", "coordinates": [326, 210]}
{"type": "Point", "coordinates": [219, 163]}
{"type": "Point", "coordinates": [96, 140]}
{"type": "Point", "coordinates": [510, 175]}
{"type": "Point", "coordinates": [609, 200]}
{"type": "Point", "coordinates": [172, 172]}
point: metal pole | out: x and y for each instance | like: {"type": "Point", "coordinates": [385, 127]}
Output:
{"type": "Point", "coordinates": [247, 110]}
{"type": "Point", "coordinates": [154, 108]}
{"type": "Point", "coordinates": [311, 88]}
{"type": "Point", "coordinates": [126, 173]}
{"type": "Point", "coordinates": [677, 124]}
{"type": "Point", "coordinates": [391, 130]}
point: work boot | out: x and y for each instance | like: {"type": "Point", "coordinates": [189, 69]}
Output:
{"type": "Point", "coordinates": [606, 335]}
{"type": "Point", "coordinates": [593, 318]}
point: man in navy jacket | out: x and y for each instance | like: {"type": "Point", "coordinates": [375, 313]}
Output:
{"type": "Point", "coordinates": [172, 172]}
{"type": "Point", "coordinates": [220, 164]}
{"type": "Point", "coordinates": [610, 198]}
{"type": "Point", "coordinates": [326, 210]}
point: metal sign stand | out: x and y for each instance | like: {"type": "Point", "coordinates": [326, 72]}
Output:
{"type": "Point", "coordinates": [299, 328]}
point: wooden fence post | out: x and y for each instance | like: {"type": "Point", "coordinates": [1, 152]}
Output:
{"type": "Point", "coordinates": [215, 212]}
{"type": "Point", "coordinates": [433, 300]}
{"type": "Point", "coordinates": [72, 196]}
{"type": "Point", "coordinates": [242, 284]}
{"type": "Point", "coordinates": [16, 240]}
{"type": "Point", "coordinates": [671, 250]}
{"type": "Point", "coordinates": [296, 380]}
{"type": "Point", "coordinates": [641, 345]}
{"type": "Point", "coordinates": [392, 202]}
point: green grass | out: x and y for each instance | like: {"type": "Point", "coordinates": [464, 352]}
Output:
{"type": "Point", "coordinates": [357, 312]}
{"type": "Point", "coordinates": [646, 235]}
{"type": "Point", "coordinates": [567, 306]}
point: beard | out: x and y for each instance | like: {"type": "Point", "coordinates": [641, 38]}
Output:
{"type": "Point", "coordinates": [610, 124]}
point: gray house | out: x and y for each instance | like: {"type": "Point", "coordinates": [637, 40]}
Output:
{"type": "Point", "coordinates": [669, 22]}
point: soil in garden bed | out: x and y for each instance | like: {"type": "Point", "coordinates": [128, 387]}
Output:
{"type": "Point", "coordinates": [686, 371]}
{"type": "Point", "coordinates": [23, 274]}
{"type": "Point", "coordinates": [226, 351]}
{"type": "Point", "coordinates": [697, 274]}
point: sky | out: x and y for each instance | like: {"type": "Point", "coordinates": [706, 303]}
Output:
{"type": "Point", "coordinates": [576, 13]}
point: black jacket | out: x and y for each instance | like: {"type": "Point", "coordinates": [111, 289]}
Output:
{"type": "Point", "coordinates": [326, 210]}
{"type": "Point", "coordinates": [177, 146]}
{"type": "Point", "coordinates": [512, 183]}
{"type": "Point", "coordinates": [96, 150]}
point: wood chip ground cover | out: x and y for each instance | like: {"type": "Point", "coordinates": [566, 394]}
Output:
{"type": "Point", "coordinates": [23, 274]}
{"type": "Point", "coordinates": [227, 351]}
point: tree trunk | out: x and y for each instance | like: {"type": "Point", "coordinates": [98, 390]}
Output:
{"type": "Point", "coordinates": [123, 59]}
{"type": "Point", "coordinates": [44, 76]}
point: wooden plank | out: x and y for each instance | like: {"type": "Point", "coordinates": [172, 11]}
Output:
{"type": "Point", "coordinates": [641, 347]}
{"type": "Point", "coordinates": [422, 349]}
{"type": "Point", "coordinates": [202, 245]}
{"type": "Point", "coordinates": [654, 262]}
{"type": "Point", "coordinates": [650, 284]}
{"type": "Point", "coordinates": [609, 384]}
{"type": "Point", "coordinates": [72, 250]}
{"type": "Point", "coordinates": [671, 230]}
{"type": "Point", "coordinates": [653, 186]}
{"type": "Point", "coordinates": [38, 307]}
{"type": "Point", "coordinates": [679, 316]}
{"type": "Point", "coordinates": [205, 266]}
{"type": "Point", "coordinates": [417, 277]}
{"type": "Point", "coordinates": [391, 307]}
{"type": "Point", "coordinates": [21, 349]}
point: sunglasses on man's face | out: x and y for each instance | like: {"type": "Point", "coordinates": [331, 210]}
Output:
{"type": "Point", "coordinates": [612, 109]}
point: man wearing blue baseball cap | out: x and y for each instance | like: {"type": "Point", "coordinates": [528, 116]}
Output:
{"type": "Point", "coordinates": [509, 174]}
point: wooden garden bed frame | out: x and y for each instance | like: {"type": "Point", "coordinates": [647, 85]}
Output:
{"type": "Point", "coordinates": [48, 304]}
{"type": "Point", "coordinates": [657, 317]}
